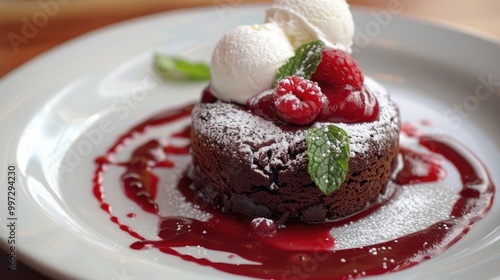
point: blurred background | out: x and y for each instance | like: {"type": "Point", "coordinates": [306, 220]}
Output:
{"type": "Point", "coordinates": [58, 21]}
{"type": "Point", "coordinates": [61, 20]}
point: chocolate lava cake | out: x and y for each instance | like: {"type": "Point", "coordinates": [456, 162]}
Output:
{"type": "Point", "coordinates": [246, 164]}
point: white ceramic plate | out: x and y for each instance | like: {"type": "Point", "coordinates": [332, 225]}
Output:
{"type": "Point", "coordinates": [50, 104]}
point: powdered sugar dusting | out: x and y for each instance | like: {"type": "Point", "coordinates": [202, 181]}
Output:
{"type": "Point", "coordinates": [260, 221]}
{"type": "Point", "coordinates": [271, 146]}
{"type": "Point", "coordinates": [416, 208]}
{"type": "Point", "coordinates": [288, 98]}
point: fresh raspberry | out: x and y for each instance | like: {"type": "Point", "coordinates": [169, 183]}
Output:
{"type": "Point", "coordinates": [338, 68]}
{"type": "Point", "coordinates": [348, 105]}
{"type": "Point", "coordinates": [263, 227]}
{"type": "Point", "coordinates": [297, 100]}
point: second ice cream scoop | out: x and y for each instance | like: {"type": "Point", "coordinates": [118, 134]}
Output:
{"type": "Point", "coordinates": [307, 20]}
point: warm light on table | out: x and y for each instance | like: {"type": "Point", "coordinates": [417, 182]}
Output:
{"type": "Point", "coordinates": [31, 27]}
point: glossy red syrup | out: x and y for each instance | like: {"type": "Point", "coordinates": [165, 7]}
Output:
{"type": "Point", "coordinates": [419, 168]}
{"type": "Point", "coordinates": [410, 130]}
{"type": "Point", "coordinates": [348, 105]}
{"type": "Point", "coordinates": [296, 251]}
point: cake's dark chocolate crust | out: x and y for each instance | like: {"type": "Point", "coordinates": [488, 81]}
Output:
{"type": "Point", "coordinates": [246, 164]}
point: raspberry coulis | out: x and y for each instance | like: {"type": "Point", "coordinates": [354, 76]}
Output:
{"type": "Point", "coordinates": [348, 105]}
{"type": "Point", "coordinates": [296, 251]}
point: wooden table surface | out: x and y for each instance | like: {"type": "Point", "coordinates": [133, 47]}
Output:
{"type": "Point", "coordinates": [60, 20]}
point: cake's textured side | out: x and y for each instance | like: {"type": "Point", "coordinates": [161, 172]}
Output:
{"type": "Point", "coordinates": [246, 164]}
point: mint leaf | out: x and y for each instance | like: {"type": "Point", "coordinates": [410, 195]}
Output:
{"type": "Point", "coordinates": [170, 67]}
{"type": "Point", "coordinates": [304, 63]}
{"type": "Point", "coordinates": [328, 153]}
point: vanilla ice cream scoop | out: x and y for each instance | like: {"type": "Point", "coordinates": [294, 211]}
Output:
{"type": "Point", "coordinates": [246, 59]}
{"type": "Point", "coordinates": [307, 20]}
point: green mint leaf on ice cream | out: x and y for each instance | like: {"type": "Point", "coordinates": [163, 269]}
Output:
{"type": "Point", "coordinates": [328, 154]}
{"type": "Point", "coordinates": [303, 64]}
{"type": "Point", "coordinates": [174, 68]}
